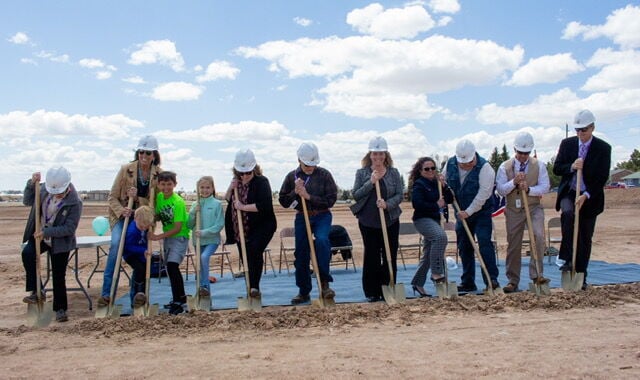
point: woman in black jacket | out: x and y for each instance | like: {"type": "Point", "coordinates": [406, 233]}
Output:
{"type": "Point", "coordinates": [427, 203]}
{"type": "Point", "coordinates": [258, 219]}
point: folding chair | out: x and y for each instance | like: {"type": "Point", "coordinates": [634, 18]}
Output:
{"type": "Point", "coordinates": [413, 242]}
{"type": "Point", "coordinates": [341, 244]}
{"type": "Point", "coordinates": [287, 244]}
{"type": "Point", "coordinates": [553, 225]}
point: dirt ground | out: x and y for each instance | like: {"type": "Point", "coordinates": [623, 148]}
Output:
{"type": "Point", "coordinates": [592, 334]}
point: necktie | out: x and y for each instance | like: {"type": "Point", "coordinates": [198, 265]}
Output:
{"type": "Point", "coordinates": [582, 152]}
{"type": "Point", "coordinates": [522, 167]}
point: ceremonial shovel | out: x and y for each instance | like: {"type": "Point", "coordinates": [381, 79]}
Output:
{"type": "Point", "coordinates": [571, 280]}
{"type": "Point", "coordinates": [321, 301]}
{"type": "Point", "coordinates": [490, 290]}
{"type": "Point", "coordinates": [111, 310]}
{"type": "Point", "coordinates": [40, 313]}
{"type": "Point", "coordinates": [148, 309]}
{"type": "Point", "coordinates": [198, 302]}
{"type": "Point", "coordinates": [445, 289]}
{"type": "Point", "coordinates": [392, 293]}
{"type": "Point", "coordinates": [249, 303]}
{"type": "Point", "coordinates": [534, 287]}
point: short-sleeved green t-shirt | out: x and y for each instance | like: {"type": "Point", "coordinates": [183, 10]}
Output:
{"type": "Point", "coordinates": [170, 211]}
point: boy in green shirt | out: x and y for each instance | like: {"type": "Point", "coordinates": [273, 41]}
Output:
{"type": "Point", "coordinates": [171, 210]}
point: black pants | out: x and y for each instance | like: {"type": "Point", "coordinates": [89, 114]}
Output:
{"type": "Point", "coordinates": [58, 272]}
{"type": "Point", "coordinates": [255, 257]}
{"type": "Point", "coordinates": [139, 273]}
{"type": "Point", "coordinates": [375, 269]}
{"type": "Point", "coordinates": [177, 283]}
{"type": "Point", "coordinates": [586, 227]}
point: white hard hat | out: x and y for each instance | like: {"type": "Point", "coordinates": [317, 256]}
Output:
{"type": "Point", "coordinates": [523, 142]}
{"type": "Point", "coordinates": [465, 151]}
{"type": "Point", "coordinates": [583, 119]}
{"type": "Point", "coordinates": [57, 180]}
{"type": "Point", "coordinates": [245, 161]}
{"type": "Point", "coordinates": [378, 144]}
{"type": "Point", "coordinates": [148, 143]}
{"type": "Point", "coordinates": [308, 154]}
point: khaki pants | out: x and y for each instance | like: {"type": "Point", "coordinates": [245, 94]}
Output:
{"type": "Point", "coordinates": [516, 221]}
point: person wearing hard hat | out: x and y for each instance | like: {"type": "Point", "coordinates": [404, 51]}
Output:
{"type": "Point", "coordinates": [316, 186]}
{"type": "Point", "coordinates": [137, 179]}
{"type": "Point", "coordinates": [519, 177]}
{"type": "Point", "coordinates": [377, 168]}
{"type": "Point", "coordinates": [255, 200]}
{"type": "Point", "coordinates": [471, 179]}
{"type": "Point", "coordinates": [61, 208]}
{"type": "Point", "coordinates": [592, 155]}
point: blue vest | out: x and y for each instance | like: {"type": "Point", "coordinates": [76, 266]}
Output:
{"type": "Point", "coordinates": [466, 192]}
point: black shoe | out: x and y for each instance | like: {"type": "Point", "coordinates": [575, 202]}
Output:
{"type": "Point", "coordinates": [566, 267]}
{"type": "Point", "coordinates": [585, 286]}
{"type": "Point", "coordinates": [297, 300]}
{"type": "Point", "coordinates": [420, 290]}
{"type": "Point", "coordinates": [374, 299]}
{"type": "Point", "coordinates": [177, 308]}
{"type": "Point", "coordinates": [61, 316]}
{"type": "Point", "coordinates": [464, 288]}
{"type": "Point", "coordinates": [495, 285]}
{"type": "Point", "coordinates": [169, 305]}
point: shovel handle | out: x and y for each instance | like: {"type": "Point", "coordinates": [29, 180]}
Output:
{"type": "Point", "coordinates": [116, 272]}
{"type": "Point", "coordinates": [312, 249]}
{"type": "Point", "coordinates": [147, 275]}
{"type": "Point", "coordinates": [198, 227]}
{"type": "Point", "coordinates": [38, 205]}
{"type": "Point", "coordinates": [532, 237]}
{"type": "Point", "coordinates": [473, 244]}
{"type": "Point", "coordinates": [576, 223]}
{"type": "Point", "coordinates": [243, 245]}
{"type": "Point", "coordinates": [385, 235]}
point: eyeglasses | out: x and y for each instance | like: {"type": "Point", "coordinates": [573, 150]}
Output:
{"type": "Point", "coordinates": [429, 168]}
{"type": "Point", "coordinates": [244, 173]}
{"type": "Point", "coordinates": [147, 152]}
{"type": "Point", "coordinates": [522, 153]}
{"type": "Point", "coordinates": [583, 129]}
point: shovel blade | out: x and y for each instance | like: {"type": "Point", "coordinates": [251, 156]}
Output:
{"type": "Point", "coordinates": [138, 311]}
{"type": "Point", "coordinates": [446, 290]}
{"type": "Point", "coordinates": [393, 294]}
{"type": "Point", "coordinates": [540, 289]}
{"type": "Point", "coordinates": [205, 303]}
{"type": "Point", "coordinates": [102, 311]}
{"type": "Point", "coordinates": [39, 314]}
{"type": "Point", "coordinates": [572, 283]}
{"type": "Point", "coordinates": [192, 302]}
{"type": "Point", "coordinates": [249, 304]}
{"type": "Point", "coordinates": [493, 292]}
{"type": "Point", "coordinates": [116, 311]}
{"type": "Point", "coordinates": [152, 310]}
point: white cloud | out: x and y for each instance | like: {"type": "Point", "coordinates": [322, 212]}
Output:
{"type": "Point", "coordinates": [134, 80]}
{"type": "Point", "coordinates": [622, 27]}
{"type": "Point", "coordinates": [393, 23]}
{"type": "Point", "coordinates": [29, 61]}
{"type": "Point", "coordinates": [163, 52]}
{"type": "Point", "coordinates": [177, 91]}
{"type": "Point", "coordinates": [244, 130]}
{"type": "Point", "coordinates": [91, 63]}
{"type": "Point", "coordinates": [51, 56]}
{"type": "Point", "coordinates": [218, 70]}
{"type": "Point", "coordinates": [19, 38]}
{"type": "Point", "coordinates": [559, 108]}
{"type": "Point", "coordinates": [302, 21]}
{"type": "Point", "coordinates": [444, 6]}
{"type": "Point", "coordinates": [545, 69]}
{"type": "Point", "coordinates": [369, 77]}
{"type": "Point", "coordinates": [102, 75]}
{"type": "Point", "coordinates": [58, 125]}
{"type": "Point", "coordinates": [620, 69]}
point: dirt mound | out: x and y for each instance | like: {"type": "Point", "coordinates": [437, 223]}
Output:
{"type": "Point", "coordinates": [342, 316]}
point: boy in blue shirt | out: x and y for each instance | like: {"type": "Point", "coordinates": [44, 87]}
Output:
{"type": "Point", "coordinates": [171, 210]}
{"type": "Point", "coordinates": [135, 251]}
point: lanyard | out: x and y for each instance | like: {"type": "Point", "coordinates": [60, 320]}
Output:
{"type": "Point", "coordinates": [47, 217]}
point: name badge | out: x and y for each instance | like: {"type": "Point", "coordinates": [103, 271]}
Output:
{"type": "Point", "coordinates": [518, 203]}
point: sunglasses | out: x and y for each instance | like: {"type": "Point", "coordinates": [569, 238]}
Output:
{"type": "Point", "coordinates": [429, 168]}
{"type": "Point", "coordinates": [583, 129]}
{"type": "Point", "coordinates": [147, 152]}
{"type": "Point", "coordinates": [241, 174]}
{"type": "Point", "coordinates": [522, 153]}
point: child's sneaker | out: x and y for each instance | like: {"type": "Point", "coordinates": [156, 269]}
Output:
{"type": "Point", "coordinates": [104, 301]}
{"type": "Point", "coordinates": [33, 298]}
{"type": "Point", "coordinates": [139, 299]}
{"type": "Point", "coordinates": [204, 292]}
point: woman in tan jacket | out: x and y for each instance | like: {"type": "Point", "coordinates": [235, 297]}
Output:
{"type": "Point", "coordinates": [136, 180]}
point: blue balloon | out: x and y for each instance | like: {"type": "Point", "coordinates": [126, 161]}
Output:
{"type": "Point", "coordinates": [100, 225]}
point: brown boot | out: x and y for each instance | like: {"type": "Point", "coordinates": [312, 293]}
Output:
{"type": "Point", "coordinates": [327, 292]}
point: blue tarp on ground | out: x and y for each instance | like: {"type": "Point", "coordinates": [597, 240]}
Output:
{"type": "Point", "coordinates": [278, 288]}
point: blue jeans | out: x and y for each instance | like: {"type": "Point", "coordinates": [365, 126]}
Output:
{"type": "Point", "coordinates": [320, 227]}
{"type": "Point", "coordinates": [205, 254]}
{"type": "Point", "coordinates": [480, 226]}
{"type": "Point", "coordinates": [110, 266]}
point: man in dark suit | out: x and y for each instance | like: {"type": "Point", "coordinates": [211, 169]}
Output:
{"type": "Point", "coordinates": [593, 156]}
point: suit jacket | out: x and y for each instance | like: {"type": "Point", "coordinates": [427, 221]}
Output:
{"type": "Point", "coordinates": [595, 172]}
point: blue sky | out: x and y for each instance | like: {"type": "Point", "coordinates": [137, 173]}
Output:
{"type": "Point", "coordinates": [82, 81]}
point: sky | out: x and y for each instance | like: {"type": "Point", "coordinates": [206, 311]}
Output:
{"type": "Point", "coordinates": [82, 81]}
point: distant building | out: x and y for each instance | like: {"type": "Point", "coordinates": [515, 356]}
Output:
{"type": "Point", "coordinates": [632, 179]}
{"type": "Point", "coordinates": [616, 175]}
